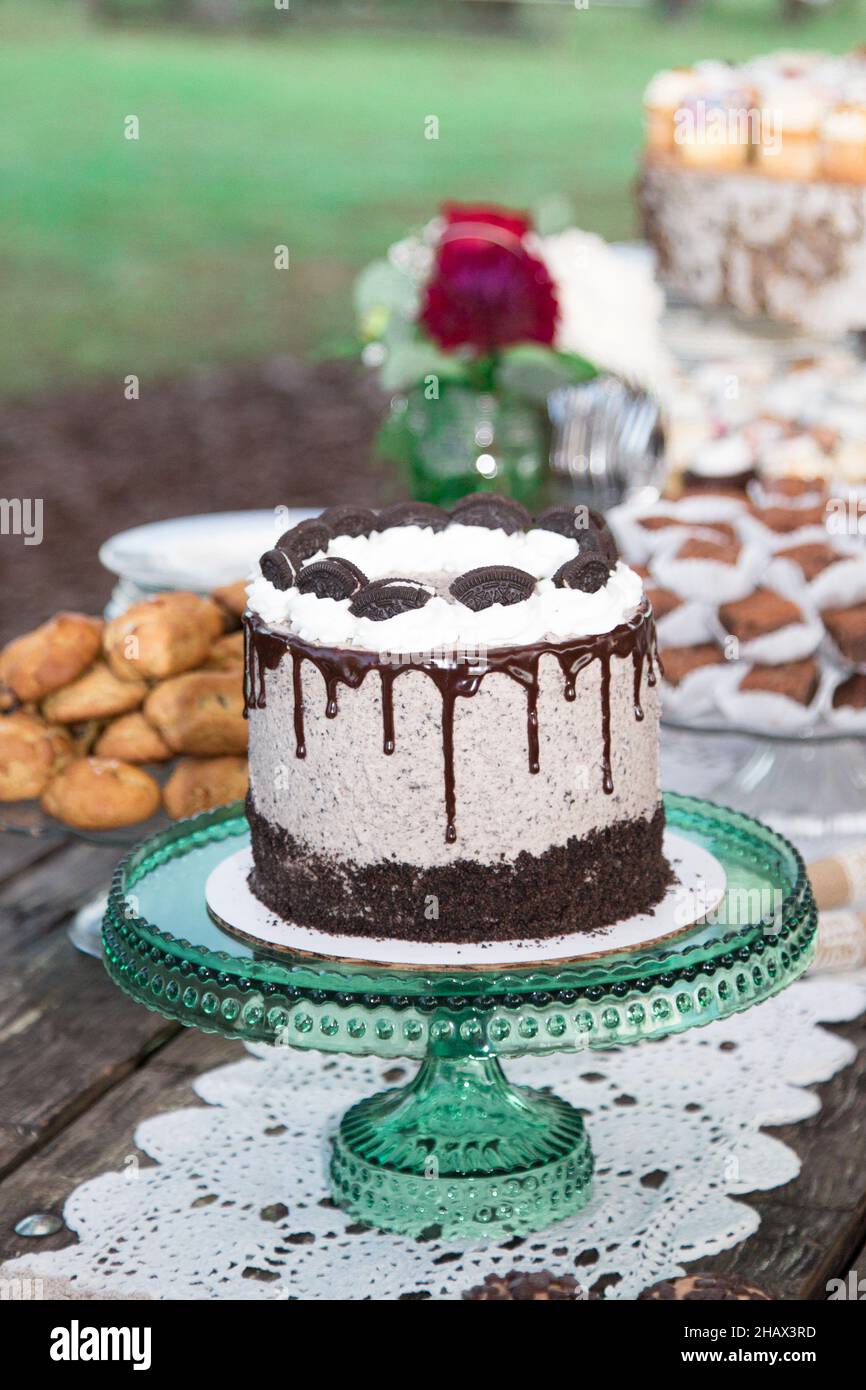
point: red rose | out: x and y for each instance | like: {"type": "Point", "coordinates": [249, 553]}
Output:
{"type": "Point", "coordinates": [456, 214]}
{"type": "Point", "coordinates": [487, 290]}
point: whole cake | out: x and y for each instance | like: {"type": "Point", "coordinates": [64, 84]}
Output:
{"type": "Point", "coordinates": [453, 725]}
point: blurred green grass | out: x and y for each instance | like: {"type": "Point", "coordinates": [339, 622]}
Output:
{"type": "Point", "coordinates": [147, 256]}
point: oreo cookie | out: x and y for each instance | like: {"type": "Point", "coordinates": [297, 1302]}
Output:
{"type": "Point", "coordinates": [277, 568]}
{"type": "Point", "coordinates": [589, 573]}
{"type": "Point", "coordinates": [492, 511]}
{"type": "Point", "coordinates": [490, 584]}
{"type": "Point", "coordinates": [581, 524]}
{"type": "Point", "coordinates": [331, 578]}
{"type": "Point", "coordinates": [386, 598]}
{"type": "Point", "coordinates": [412, 514]}
{"type": "Point", "coordinates": [603, 531]}
{"type": "Point", "coordinates": [304, 540]}
{"type": "Point", "coordinates": [349, 521]}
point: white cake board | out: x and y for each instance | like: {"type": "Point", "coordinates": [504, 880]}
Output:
{"type": "Point", "coordinates": [698, 889]}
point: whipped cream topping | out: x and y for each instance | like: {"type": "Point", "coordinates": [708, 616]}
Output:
{"type": "Point", "coordinates": [793, 106]}
{"type": "Point", "coordinates": [435, 557]}
{"type": "Point", "coordinates": [666, 89]}
{"type": "Point", "coordinates": [722, 458]}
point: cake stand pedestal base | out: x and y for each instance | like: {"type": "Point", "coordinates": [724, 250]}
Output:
{"type": "Point", "coordinates": [459, 1148]}
{"type": "Point", "coordinates": [463, 1150]}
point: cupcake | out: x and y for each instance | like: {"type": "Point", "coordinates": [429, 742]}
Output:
{"type": "Point", "coordinates": [790, 147]}
{"type": "Point", "coordinates": [786, 64]}
{"type": "Point", "coordinates": [800, 454]}
{"type": "Point", "coordinates": [843, 140]}
{"type": "Point", "coordinates": [727, 462]}
{"type": "Point", "coordinates": [662, 98]}
{"type": "Point", "coordinates": [716, 129]}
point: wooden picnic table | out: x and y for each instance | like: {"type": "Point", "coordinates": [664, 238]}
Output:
{"type": "Point", "coordinates": [81, 1066]}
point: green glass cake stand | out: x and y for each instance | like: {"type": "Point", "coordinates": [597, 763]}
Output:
{"type": "Point", "coordinates": [459, 1148]}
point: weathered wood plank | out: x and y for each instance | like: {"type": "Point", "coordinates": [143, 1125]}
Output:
{"type": "Point", "coordinates": [18, 852]}
{"type": "Point", "coordinates": [67, 1034]}
{"type": "Point", "coordinates": [101, 1138]}
{"type": "Point", "coordinates": [856, 1266]}
{"type": "Point", "coordinates": [42, 896]}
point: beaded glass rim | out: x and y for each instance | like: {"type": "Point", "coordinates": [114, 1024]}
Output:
{"type": "Point", "coordinates": [795, 920]}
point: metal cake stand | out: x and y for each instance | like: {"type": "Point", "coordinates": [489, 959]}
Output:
{"type": "Point", "coordinates": [459, 1148]}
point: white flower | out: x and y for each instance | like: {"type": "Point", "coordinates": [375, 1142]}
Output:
{"type": "Point", "coordinates": [414, 257]}
{"type": "Point", "coordinates": [609, 306]}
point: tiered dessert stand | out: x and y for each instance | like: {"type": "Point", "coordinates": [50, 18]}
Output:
{"type": "Point", "coordinates": [459, 1148]}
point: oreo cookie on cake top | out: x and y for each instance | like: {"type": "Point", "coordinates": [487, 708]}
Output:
{"type": "Point", "coordinates": [305, 540]}
{"type": "Point", "coordinates": [588, 572]}
{"type": "Point", "coordinates": [331, 578]}
{"type": "Point", "coordinates": [481, 588]}
{"type": "Point", "coordinates": [492, 511]}
{"type": "Point", "coordinates": [350, 521]}
{"type": "Point", "coordinates": [412, 514]}
{"type": "Point", "coordinates": [583, 524]}
{"type": "Point", "coordinates": [387, 598]}
{"type": "Point", "coordinates": [277, 568]}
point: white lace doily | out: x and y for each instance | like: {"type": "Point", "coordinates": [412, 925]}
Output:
{"type": "Point", "coordinates": [237, 1205]}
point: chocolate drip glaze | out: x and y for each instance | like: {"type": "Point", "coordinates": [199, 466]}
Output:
{"type": "Point", "coordinates": [386, 675]}
{"type": "Point", "coordinates": [298, 695]}
{"type": "Point", "coordinates": [607, 773]}
{"type": "Point", "coordinates": [457, 677]}
{"type": "Point", "coordinates": [263, 651]}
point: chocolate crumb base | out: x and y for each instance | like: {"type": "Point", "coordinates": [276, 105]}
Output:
{"type": "Point", "coordinates": [581, 886]}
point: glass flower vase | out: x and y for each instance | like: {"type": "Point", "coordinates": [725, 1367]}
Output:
{"type": "Point", "coordinates": [467, 440]}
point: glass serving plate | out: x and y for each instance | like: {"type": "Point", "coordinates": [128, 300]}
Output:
{"type": "Point", "coordinates": [28, 819]}
{"type": "Point", "coordinates": [810, 786]}
{"type": "Point", "coordinates": [459, 1147]}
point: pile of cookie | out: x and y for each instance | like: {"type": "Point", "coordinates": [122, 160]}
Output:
{"type": "Point", "coordinates": [760, 605]}
{"type": "Point", "coordinates": [88, 707]}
